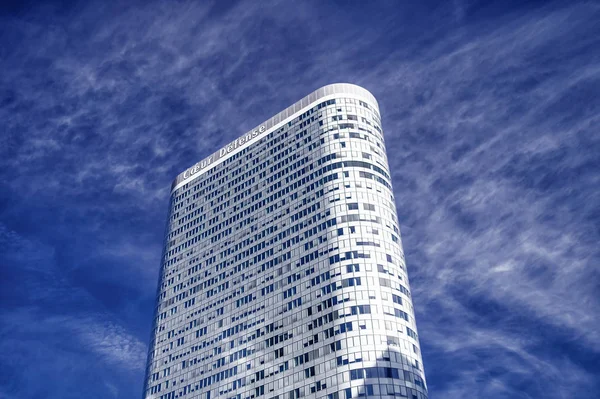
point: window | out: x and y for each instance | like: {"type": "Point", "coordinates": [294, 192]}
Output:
{"type": "Point", "coordinates": [352, 268]}
{"type": "Point", "coordinates": [309, 372]}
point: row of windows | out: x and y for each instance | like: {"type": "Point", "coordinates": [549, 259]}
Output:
{"type": "Point", "coordinates": [267, 161]}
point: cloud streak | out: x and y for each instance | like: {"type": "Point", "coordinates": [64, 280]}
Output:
{"type": "Point", "coordinates": [491, 115]}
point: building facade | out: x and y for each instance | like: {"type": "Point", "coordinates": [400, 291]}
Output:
{"type": "Point", "coordinates": [283, 274]}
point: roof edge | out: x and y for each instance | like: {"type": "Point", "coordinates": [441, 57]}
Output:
{"type": "Point", "coordinates": [281, 117]}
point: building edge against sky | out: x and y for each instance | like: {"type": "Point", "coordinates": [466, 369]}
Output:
{"type": "Point", "coordinates": [283, 274]}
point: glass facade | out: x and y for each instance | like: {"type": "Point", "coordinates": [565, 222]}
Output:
{"type": "Point", "coordinates": [283, 274]}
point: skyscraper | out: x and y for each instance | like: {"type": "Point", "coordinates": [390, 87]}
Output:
{"type": "Point", "coordinates": [283, 274]}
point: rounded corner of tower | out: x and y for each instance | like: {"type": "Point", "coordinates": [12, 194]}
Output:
{"type": "Point", "coordinates": [349, 88]}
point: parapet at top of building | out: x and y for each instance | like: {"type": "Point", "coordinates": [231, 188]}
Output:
{"type": "Point", "coordinates": [282, 117]}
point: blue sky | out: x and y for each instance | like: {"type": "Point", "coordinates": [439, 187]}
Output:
{"type": "Point", "coordinates": [491, 113]}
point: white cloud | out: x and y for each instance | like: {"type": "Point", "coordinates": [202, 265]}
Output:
{"type": "Point", "coordinates": [488, 124]}
{"type": "Point", "coordinates": [93, 334]}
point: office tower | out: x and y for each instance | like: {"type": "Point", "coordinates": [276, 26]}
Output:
{"type": "Point", "coordinates": [283, 274]}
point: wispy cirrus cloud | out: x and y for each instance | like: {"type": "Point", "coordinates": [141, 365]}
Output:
{"type": "Point", "coordinates": [102, 338]}
{"type": "Point", "coordinates": [53, 328]}
{"type": "Point", "coordinates": [78, 350]}
{"type": "Point", "coordinates": [489, 112]}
